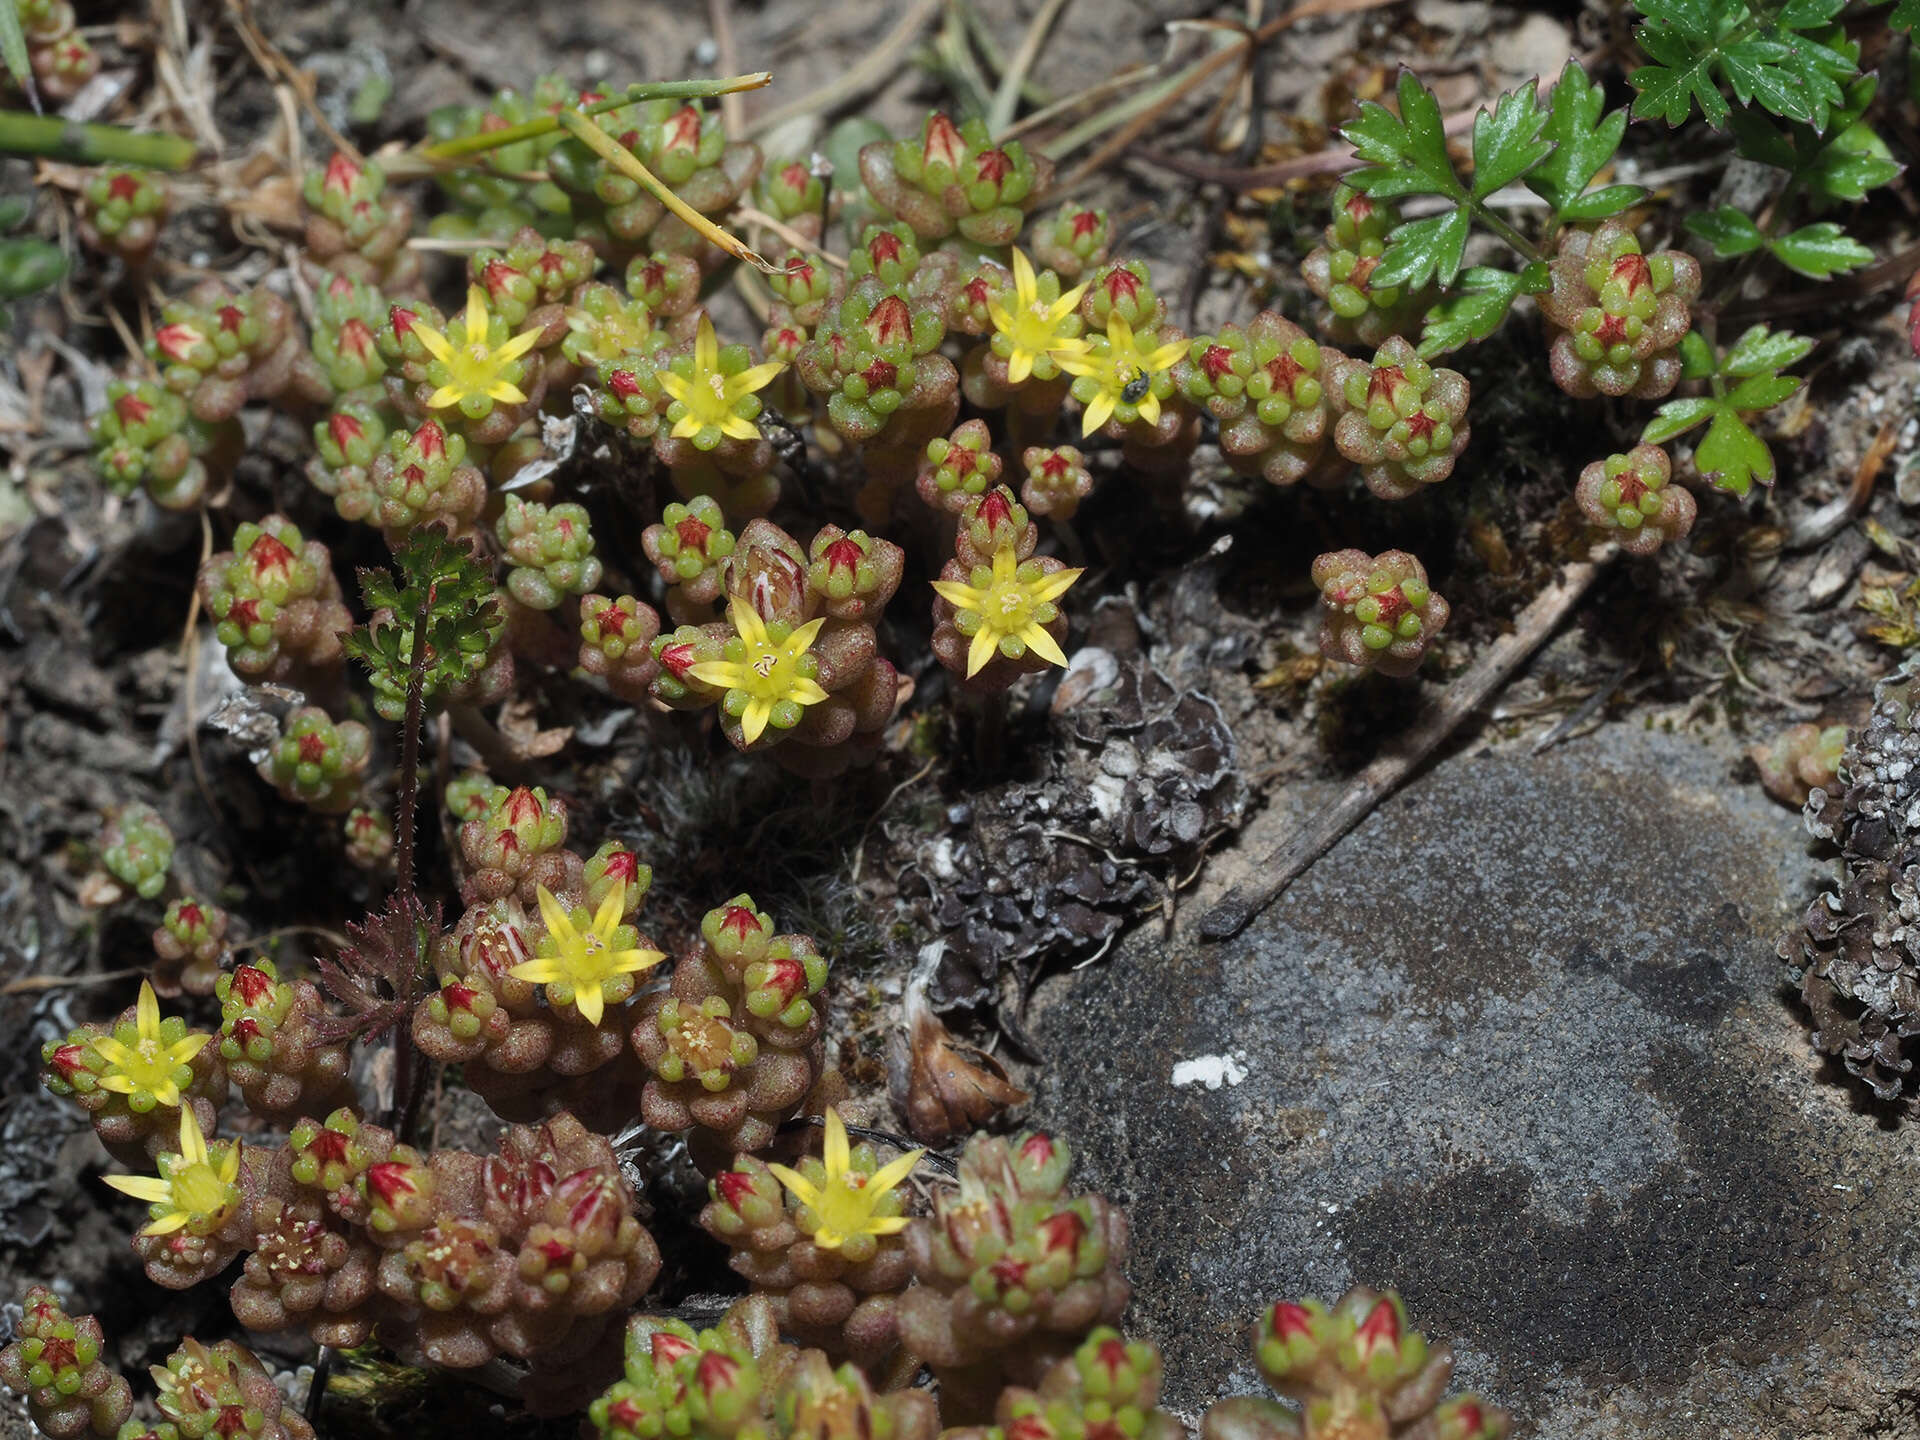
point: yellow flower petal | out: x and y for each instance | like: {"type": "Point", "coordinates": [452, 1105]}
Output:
{"type": "Point", "coordinates": [963, 597]}
{"type": "Point", "coordinates": [1078, 362]}
{"type": "Point", "coordinates": [165, 1093]}
{"type": "Point", "coordinates": [1042, 644]}
{"type": "Point", "coordinates": [433, 342]}
{"type": "Point", "coordinates": [676, 386]}
{"type": "Point", "coordinates": [1026, 288]}
{"type": "Point", "coordinates": [612, 909]}
{"type": "Point", "coordinates": [1149, 408]}
{"type": "Point", "coordinates": [591, 1004]}
{"type": "Point", "coordinates": [1064, 306]}
{"type": "Point", "coordinates": [230, 1164]}
{"type": "Point", "coordinates": [804, 1190]}
{"type": "Point", "coordinates": [541, 970]}
{"type": "Point", "coordinates": [747, 621]}
{"type": "Point", "coordinates": [1166, 356]}
{"type": "Point", "coordinates": [111, 1050]}
{"type": "Point", "coordinates": [834, 1148]}
{"type": "Point", "coordinates": [891, 1225]}
{"type": "Point", "coordinates": [894, 1171]}
{"type": "Point", "coordinates": [1099, 410]}
{"type": "Point", "coordinates": [983, 649]}
{"type": "Point", "coordinates": [443, 397]}
{"type": "Point", "coordinates": [805, 692]}
{"type": "Point", "coordinates": [150, 1188]}
{"type": "Point", "coordinates": [119, 1084]}
{"type": "Point", "coordinates": [706, 347]}
{"type": "Point", "coordinates": [476, 317]}
{"type": "Point", "coordinates": [726, 674]}
{"type": "Point", "coordinates": [1119, 334]}
{"type": "Point", "coordinates": [506, 392]}
{"type": "Point", "coordinates": [146, 1012]}
{"type": "Point", "coordinates": [753, 720]}
{"type": "Point", "coordinates": [737, 428]}
{"type": "Point", "coordinates": [626, 962]}
{"type": "Point", "coordinates": [687, 426]}
{"type": "Point", "coordinates": [755, 377]}
{"type": "Point", "coordinates": [997, 313]}
{"type": "Point", "coordinates": [801, 640]}
{"type": "Point", "coordinates": [193, 1145]}
{"type": "Point", "coordinates": [167, 1224]}
{"type": "Point", "coordinates": [520, 344]}
{"type": "Point", "coordinates": [1019, 366]}
{"type": "Point", "coordinates": [183, 1051]}
{"type": "Point", "coordinates": [559, 923]}
{"type": "Point", "coordinates": [1056, 584]}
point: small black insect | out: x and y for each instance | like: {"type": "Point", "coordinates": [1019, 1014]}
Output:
{"type": "Point", "coordinates": [1136, 388]}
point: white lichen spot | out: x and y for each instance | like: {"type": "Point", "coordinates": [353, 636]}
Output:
{"type": "Point", "coordinates": [1212, 1071]}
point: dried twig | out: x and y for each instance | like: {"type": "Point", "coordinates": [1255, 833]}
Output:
{"type": "Point", "coordinates": [1006, 99]}
{"type": "Point", "coordinates": [1287, 862]}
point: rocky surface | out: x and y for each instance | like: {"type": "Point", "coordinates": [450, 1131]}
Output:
{"type": "Point", "coordinates": [1519, 1046]}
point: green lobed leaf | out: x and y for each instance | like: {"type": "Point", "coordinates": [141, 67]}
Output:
{"type": "Point", "coordinates": [1608, 200]}
{"type": "Point", "coordinates": [1761, 392]}
{"type": "Point", "coordinates": [1731, 457]}
{"type": "Point", "coordinates": [1820, 251]}
{"type": "Point", "coordinates": [1583, 143]}
{"type": "Point", "coordinates": [1406, 154]}
{"type": "Point", "coordinates": [1421, 250]}
{"type": "Point", "coordinates": [1905, 15]}
{"type": "Point", "coordinates": [1677, 81]}
{"type": "Point", "coordinates": [1676, 417]}
{"type": "Point", "coordinates": [1765, 57]}
{"type": "Point", "coordinates": [1760, 350]}
{"type": "Point", "coordinates": [1728, 230]}
{"type": "Point", "coordinates": [1857, 161]}
{"type": "Point", "coordinates": [1472, 313]}
{"type": "Point", "coordinates": [1507, 142]}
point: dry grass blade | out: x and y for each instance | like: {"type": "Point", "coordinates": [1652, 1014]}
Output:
{"type": "Point", "coordinates": [1006, 99]}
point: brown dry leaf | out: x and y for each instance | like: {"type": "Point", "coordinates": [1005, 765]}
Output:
{"type": "Point", "coordinates": [274, 202]}
{"type": "Point", "coordinates": [99, 890]}
{"type": "Point", "coordinates": [942, 1093]}
{"type": "Point", "coordinates": [523, 732]}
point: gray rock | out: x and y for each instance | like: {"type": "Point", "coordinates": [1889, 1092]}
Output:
{"type": "Point", "coordinates": [1520, 1047]}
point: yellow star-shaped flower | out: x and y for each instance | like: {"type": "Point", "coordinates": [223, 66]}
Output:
{"type": "Point", "coordinates": [1007, 609]}
{"type": "Point", "coordinates": [1035, 331]}
{"type": "Point", "coordinates": [845, 1207]}
{"type": "Point", "coordinates": [151, 1070]}
{"type": "Point", "coordinates": [708, 402]}
{"type": "Point", "coordinates": [478, 371]}
{"type": "Point", "coordinates": [583, 962]}
{"type": "Point", "coordinates": [767, 673]}
{"type": "Point", "coordinates": [1117, 376]}
{"type": "Point", "coordinates": [193, 1191]}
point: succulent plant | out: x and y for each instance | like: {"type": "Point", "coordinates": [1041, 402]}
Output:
{"type": "Point", "coordinates": [1108, 1387]}
{"type": "Point", "coordinates": [190, 947]}
{"type": "Point", "coordinates": [223, 1390]}
{"type": "Point", "coordinates": [550, 550]}
{"type": "Point", "coordinates": [272, 1042]}
{"type": "Point", "coordinates": [1629, 500]}
{"type": "Point", "coordinates": [1267, 386]}
{"type": "Point", "coordinates": [1402, 421]}
{"type": "Point", "coordinates": [317, 763]}
{"type": "Point", "coordinates": [369, 838]}
{"type": "Point", "coordinates": [348, 314]}
{"type": "Point", "coordinates": [1377, 610]}
{"type": "Point", "coordinates": [144, 436]}
{"type": "Point", "coordinates": [275, 601]}
{"type": "Point", "coordinates": [1340, 273]}
{"type": "Point", "coordinates": [355, 227]}
{"type": "Point", "coordinates": [1013, 1270]}
{"type": "Point", "coordinates": [997, 621]}
{"type": "Point", "coordinates": [516, 846]}
{"type": "Point", "coordinates": [217, 350]}
{"type": "Point", "coordinates": [1799, 760]}
{"type": "Point", "coordinates": [137, 849]}
{"type": "Point", "coordinates": [616, 639]}
{"type": "Point", "coordinates": [54, 1362]}
{"type": "Point", "coordinates": [135, 1076]}
{"type": "Point", "coordinates": [1073, 241]}
{"type": "Point", "coordinates": [1356, 1371]}
{"type": "Point", "coordinates": [690, 548]}
{"type": "Point", "coordinates": [1057, 480]}
{"type": "Point", "coordinates": [734, 1045]}
{"type": "Point", "coordinates": [1618, 315]}
{"type": "Point", "coordinates": [958, 467]}
{"type": "Point", "coordinates": [121, 212]}
{"type": "Point", "coordinates": [954, 178]}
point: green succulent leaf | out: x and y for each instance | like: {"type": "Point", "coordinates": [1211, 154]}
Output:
{"type": "Point", "coordinates": [1729, 231]}
{"type": "Point", "coordinates": [1406, 154]}
{"type": "Point", "coordinates": [1730, 456]}
{"type": "Point", "coordinates": [1473, 312]}
{"type": "Point", "coordinates": [1583, 142]}
{"type": "Point", "coordinates": [1820, 251]}
{"type": "Point", "coordinates": [1421, 250]}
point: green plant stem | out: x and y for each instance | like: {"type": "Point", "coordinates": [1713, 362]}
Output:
{"type": "Point", "coordinates": [57, 139]}
{"type": "Point", "coordinates": [465, 145]}
{"type": "Point", "coordinates": [405, 890]}
{"type": "Point", "coordinates": [1506, 232]}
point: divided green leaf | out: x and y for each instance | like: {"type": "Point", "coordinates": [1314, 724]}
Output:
{"type": "Point", "coordinates": [1406, 154]}
{"type": "Point", "coordinates": [1582, 143]}
{"type": "Point", "coordinates": [1821, 250]}
{"type": "Point", "coordinates": [1728, 230]}
{"type": "Point", "coordinates": [1763, 54]}
{"type": "Point", "coordinates": [1473, 312]}
{"type": "Point", "coordinates": [1423, 250]}
{"type": "Point", "coordinates": [1730, 456]}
